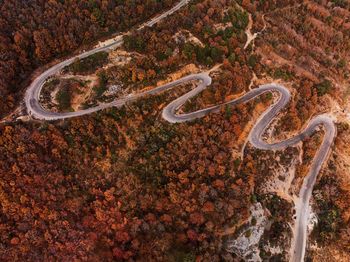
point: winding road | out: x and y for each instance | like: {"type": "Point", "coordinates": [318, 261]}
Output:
{"type": "Point", "coordinates": [33, 92]}
{"type": "Point", "coordinates": [169, 114]}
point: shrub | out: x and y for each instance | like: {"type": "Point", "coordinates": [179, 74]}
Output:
{"type": "Point", "coordinates": [88, 64]}
{"type": "Point", "coordinates": [324, 87]}
{"type": "Point", "coordinates": [63, 98]}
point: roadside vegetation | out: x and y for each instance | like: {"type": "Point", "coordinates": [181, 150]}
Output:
{"type": "Point", "coordinates": [59, 94]}
{"type": "Point", "coordinates": [47, 90]}
{"type": "Point", "coordinates": [63, 98]}
{"type": "Point", "coordinates": [101, 86]}
{"type": "Point", "coordinates": [87, 65]}
{"type": "Point", "coordinates": [329, 222]}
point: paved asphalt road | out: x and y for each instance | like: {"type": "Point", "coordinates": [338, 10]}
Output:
{"type": "Point", "coordinates": [32, 94]}
{"type": "Point", "coordinates": [169, 113]}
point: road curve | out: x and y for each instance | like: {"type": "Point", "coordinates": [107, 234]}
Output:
{"type": "Point", "coordinates": [255, 137]}
{"type": "Point", "coordinates": [31, 98]}
{"type": "Point", "coordinates": [34, 109]}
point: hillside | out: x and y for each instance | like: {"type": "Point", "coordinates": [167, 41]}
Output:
{"type": "Point", "coordinates": [127, 181]}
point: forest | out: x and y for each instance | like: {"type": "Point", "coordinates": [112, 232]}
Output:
{"type": "Point", "coordinates": [123, 184]}
{"type": "Point", "coordinates": [34, 33]}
